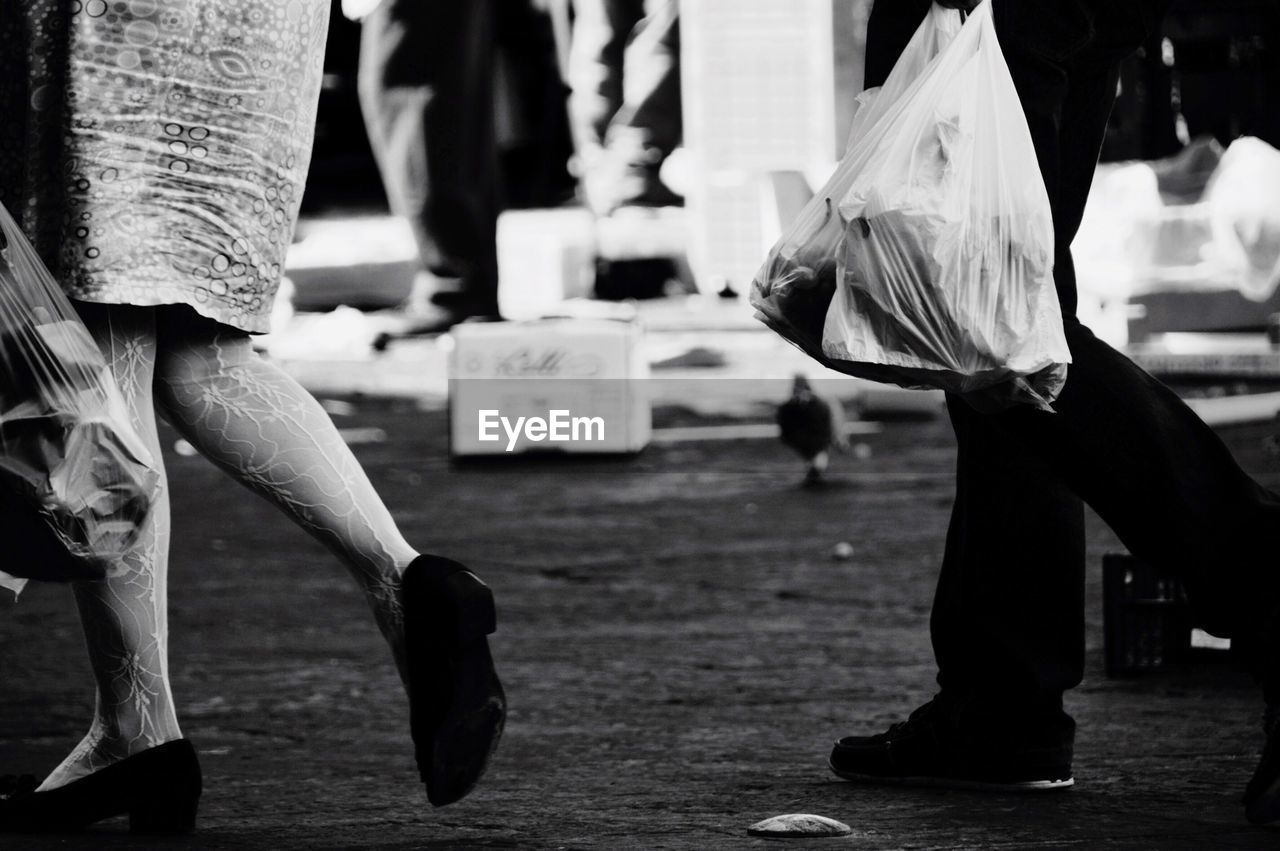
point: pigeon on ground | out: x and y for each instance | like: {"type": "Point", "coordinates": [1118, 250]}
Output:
{"type": "Point", "coordinates": [812, 426]}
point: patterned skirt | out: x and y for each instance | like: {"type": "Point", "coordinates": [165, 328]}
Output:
{"type": "Point", "coordinates": [156, 150]}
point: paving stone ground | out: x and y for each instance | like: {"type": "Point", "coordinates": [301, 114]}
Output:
{"type": "Point", "coordinates": [679, 646]}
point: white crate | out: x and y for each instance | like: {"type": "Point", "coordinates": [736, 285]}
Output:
{"type": "Point", "coordinates": [544, 258]}
{"type": "Point", "coordinates": [593, 371]}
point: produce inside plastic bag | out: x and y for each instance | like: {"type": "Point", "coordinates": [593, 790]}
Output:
{"type": "Point", "coordinates": [927, 259]}
{"type": "Point", "coordinates": [76, 481]}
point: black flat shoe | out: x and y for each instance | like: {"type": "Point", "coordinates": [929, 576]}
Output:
{"type": "Point", "coordinates": [158, 789]}
{"type": "Point", "coordinates": [456, 704]}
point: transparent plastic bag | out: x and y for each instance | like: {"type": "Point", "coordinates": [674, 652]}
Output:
{"type": "Point", "coordinates": [927, 258]}
{"type": "Point", "coordinates": [76, 481]}
{"type": "Point", "coordinates": [1244, 214]}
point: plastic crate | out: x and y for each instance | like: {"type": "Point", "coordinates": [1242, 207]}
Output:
{"type": "Point", "coordinates": [1146, 618]}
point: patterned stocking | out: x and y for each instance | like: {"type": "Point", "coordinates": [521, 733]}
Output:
{"type": "Point", "coordinates": [125, 617]}
{"type": "Point", "coordinates": [254, 421]}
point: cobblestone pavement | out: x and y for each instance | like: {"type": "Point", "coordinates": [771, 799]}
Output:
{"type": "Point", "coordinates": [679, 645]}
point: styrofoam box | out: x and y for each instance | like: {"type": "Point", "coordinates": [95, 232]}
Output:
{"type": "Point", "coordinates": [591, 371]}
{"type": "Point", "coordinates": [544, 257]}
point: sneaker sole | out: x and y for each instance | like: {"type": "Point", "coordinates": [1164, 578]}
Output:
{"type": "Point", "coordinates": [956, 782]}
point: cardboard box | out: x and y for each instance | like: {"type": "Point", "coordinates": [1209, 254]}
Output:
{"type": "Point", "coordinates": [548, 385]}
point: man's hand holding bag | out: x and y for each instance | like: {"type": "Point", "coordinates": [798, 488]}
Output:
{"type": "Point", "coordinates": [931, 247]}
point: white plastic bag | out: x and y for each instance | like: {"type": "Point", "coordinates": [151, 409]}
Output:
{"type": "Point", "coordinates": [76, 481]}
{"type": "Point", "coordinates": [929, 253]}
{"type": "Point", "coordinates": [1244, 208]}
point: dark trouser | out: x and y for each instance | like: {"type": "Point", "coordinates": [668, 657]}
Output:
{"type": "Point", "coordinates": [1008, 626]}
{"type": "Point", "coordinates": [426, 88]}
{"type": "Point", "coordinates": [624, 71]}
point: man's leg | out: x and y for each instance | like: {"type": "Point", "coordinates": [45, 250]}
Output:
{"type": "Point", "coordinates": [1007, 625]}
{"type": "Point", "coordinates": [426, 86]}
{"type": "Point", "coordinates": [1008, 614]}
{"type": "Point", "coordinates": [1126, 444]}
{"type": "Point", "coordinates": [1008, 622]}
{"type": "Point", "coordinates": [1141, 458]}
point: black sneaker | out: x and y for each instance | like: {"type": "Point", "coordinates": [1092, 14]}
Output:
{"type": "Point", "coordinates": [1262, 795]}
{"type": "Point", "coordinates": [932, 748]}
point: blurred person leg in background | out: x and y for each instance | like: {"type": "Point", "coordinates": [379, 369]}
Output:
{"type": "Point", "coordinates": [426, 83]}
{"type": "Point", "coordinates": [531, 100]}
{"type": "Point", "coordinates": [1007, 624]}
{"type": "Point", "coordinates": [624, 106]}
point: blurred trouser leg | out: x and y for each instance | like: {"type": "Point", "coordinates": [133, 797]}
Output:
{"type": "Point", "coordinates": [649, 124]}
{"type": "Point", "coordinates": [426, 88]}
{"type": "Point", "coordinates": [601, 32]}
{"type": "Point", "coordinates": [598, 67]}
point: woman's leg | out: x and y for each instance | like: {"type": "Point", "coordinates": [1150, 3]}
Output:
{"type": "Point", "coordinates": [257, 423]}
{"type": "Point", "coordinates": [125, 617]}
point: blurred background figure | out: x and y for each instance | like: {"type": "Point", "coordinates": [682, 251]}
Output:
{"type": "Point", "coordinates": [445, 86]}
{"type": "Point", "coordinates": [426, 90]}
{"type": "Point", "coordinates": [624, 106]}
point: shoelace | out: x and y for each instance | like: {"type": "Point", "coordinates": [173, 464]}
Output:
{"type": "Point", "coordinates": [920, 716]}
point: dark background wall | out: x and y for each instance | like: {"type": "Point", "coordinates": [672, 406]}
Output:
{"type": "Point", "coordinates": [1216, 63]}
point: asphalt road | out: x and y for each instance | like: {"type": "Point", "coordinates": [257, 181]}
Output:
{"type": "Point", "coordinates": [678, 643]}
